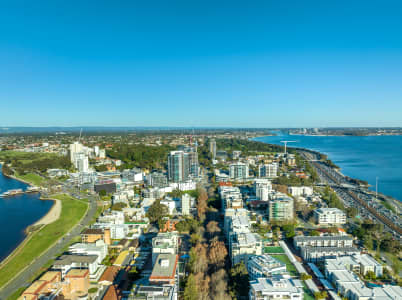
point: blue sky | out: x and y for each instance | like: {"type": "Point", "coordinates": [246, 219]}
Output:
{"type": "Point", "coordinates": [201, 63]}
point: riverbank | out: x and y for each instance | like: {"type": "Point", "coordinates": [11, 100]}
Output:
{"type": "Point", "coordinates": [72, 211]}
{"type": "Point", "coordinates": [52, 215]}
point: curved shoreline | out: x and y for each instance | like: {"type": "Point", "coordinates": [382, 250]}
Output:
{"type": "Point", "coordinates": [392, 200]}
{"type": "Point", "coordinates": [48, 218]}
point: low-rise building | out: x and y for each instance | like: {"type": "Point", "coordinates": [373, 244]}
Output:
{"type": "Point", "coordinates": [297, 191]}
{"type": "Point", "coordinates": [164, 243]}
{"type": "Point", "coordinates": [99, 248]}
{"type": "Point", "coordinates": [67, 262]}
{"type": "Point", "coordinates": [259, 266]}
{"type": "Point", "coordinates": [91, 235]}
{"type": "Point", "coordinates": [276, 287]}
{"type": "Point", "coordinates": [329, 216]}
{"type": "Point", "coordinates": [164, 270]}
{"type": "Point", "coordinates": [323, 241]}
{"type": "Point", "coordinates": [309, 253]}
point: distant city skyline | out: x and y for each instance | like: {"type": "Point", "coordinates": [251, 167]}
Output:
{"type": "Point", "coordinates": [264, 64]}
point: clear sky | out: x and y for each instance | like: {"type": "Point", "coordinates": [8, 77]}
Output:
{"type": "Point", "coordinates": [201, 63]}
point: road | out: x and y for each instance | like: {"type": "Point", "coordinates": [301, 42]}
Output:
{"type": "Point", "coordinates": [23, 279]}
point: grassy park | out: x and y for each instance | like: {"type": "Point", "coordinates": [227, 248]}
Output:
{"type": "Point", "coordinates": [72, 211]}
{"type": "Point", "coordinates": [289, 266]}
{"type": "Point", "coordinates": [32, 178]}
{"type": "Point", "coordinates": [273, 250]}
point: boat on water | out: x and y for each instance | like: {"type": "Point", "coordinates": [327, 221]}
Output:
{"type": "Point", "coordinates": [14, 192]}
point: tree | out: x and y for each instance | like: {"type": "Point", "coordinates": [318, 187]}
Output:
{"type": "Point", "coordinates": [195, 238]}
{"type": "Point", "coordinates": [217, 253]}
{"type": "Point", "coordinates": [202, 203]}
{"type": "Point", "coordinates": [320, 295]}
{"type": "Point", "coordinates": [219, 285]}
{"type": "Point", "coordinates": [102, 193]}
{"type": "Point", "coordinates": [190, 291]}
{"type": "Point", "coordinates": [213, 228]}
{"type": "Point", "coordinates": [240, 281]}
{"type": "Point", "coordinates": [289, 230]}
{"type": "Point", "coordinates": [202, 282]}
{"type": "Point", "coordinates": [305, 276]}
{"type": "Point", "coordinates": [119, 206]}
{"type": "Point", "coordinates": [314, 233]}
{"type": "Point", "coordinates": [157, 211]}
{"type": "Point", "coordinates": [198, 261]}
{"type": "Point", "coordinates": [351, 212]}
{"type": "Point", "coordinates": [370, 275]}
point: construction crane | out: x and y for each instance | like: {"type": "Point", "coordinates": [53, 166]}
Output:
{"type": "Point", "coordinates": [286, 142]}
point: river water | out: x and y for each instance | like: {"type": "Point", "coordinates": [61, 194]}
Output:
{"type": "Point", "coordinates": [17, 213]}
{"type": "Point", "coordinates": [361, 157]}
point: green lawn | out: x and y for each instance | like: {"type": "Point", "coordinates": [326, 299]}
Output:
{"type": "Point", "coordinates": [289, 266]}
{"type": "Point", "coordinates": [273, 249]}
{"type": "Point", "coordinates": [35, 179]}
{"type": "Point", "coordinates": [72, 212]}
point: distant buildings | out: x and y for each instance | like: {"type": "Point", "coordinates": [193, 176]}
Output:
{"type": "Point", "coordinates": [236, 154]}
{"type": "Point", "coordinates": [185, 204]}
{"type": "Point", "coordinates": [212, 148]}
{"type": "Point", "coordinates": [329, 216]}
{"type": "Point", "coordinates": [75, 148]}
{"type": "Point", "coordinates": [268, 170]}
{"type": "Point", "coordinates": [238, 171]}
{"type": "Point", "coordinates": [276, 287]}
{"type": "Point", "coordinates": [281, 209]}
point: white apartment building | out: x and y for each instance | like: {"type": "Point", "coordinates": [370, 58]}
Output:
{"type": "Point", "coordinates": [242, 245]}
{"type": "Point", "coordinates": [164, 243]}
{"type": "Point", "coordinates": [231, 197]}
{"type": "Point", "coordinates": [341, 273]}
{"type": "Point", "coordinates": [277, 287]}
{"type": "Point", "coordinates": [262, 188]}
{"type": "Point", "coordinates": [99, 248]}
{"type": "Point", "coordinates": [259, 266]}
{"type": "Point", "coordinates": [297, 191]}
{"type": "Point", "coordinates": [281, 208]}
{"type": "Point", "coordinates": [238, 171]}
{"type": "Point", "coordinates": [329, 216]}
{"type": "Point", "coordinates": [360, 264]}
{"type": "Point", "coordinates": [185, 204]}
{"type": "Point", "coordinates": [268, 170]}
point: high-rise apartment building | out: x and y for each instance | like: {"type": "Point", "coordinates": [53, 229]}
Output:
{"type": "Point", "coordinates": [238, 171]}
{"type": "Point", "coordinates": [212, 148]}
{"type": "Point", "coordinates": [268, 170]}
{"type": "Point", "coordinates": [178, 166]}
{"type": "Point", "coordinates": [281, 209]}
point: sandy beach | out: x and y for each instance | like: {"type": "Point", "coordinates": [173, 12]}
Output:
{"type": "Point", "coordinates": [52, 215]}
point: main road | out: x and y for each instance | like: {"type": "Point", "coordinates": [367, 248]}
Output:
{"type": "Point", "coordinates": [23, 278]}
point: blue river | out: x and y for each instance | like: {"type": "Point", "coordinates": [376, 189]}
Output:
{"type": "Point", "coordinates": [361, 157]}
{"type": "Point", "coordinates": [17, 213]}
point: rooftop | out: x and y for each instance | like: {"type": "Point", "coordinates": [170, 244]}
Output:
{"type": "Point", "coordinates": [72, 258]}
{"type": "Point", "coordinates": [165, 267]}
